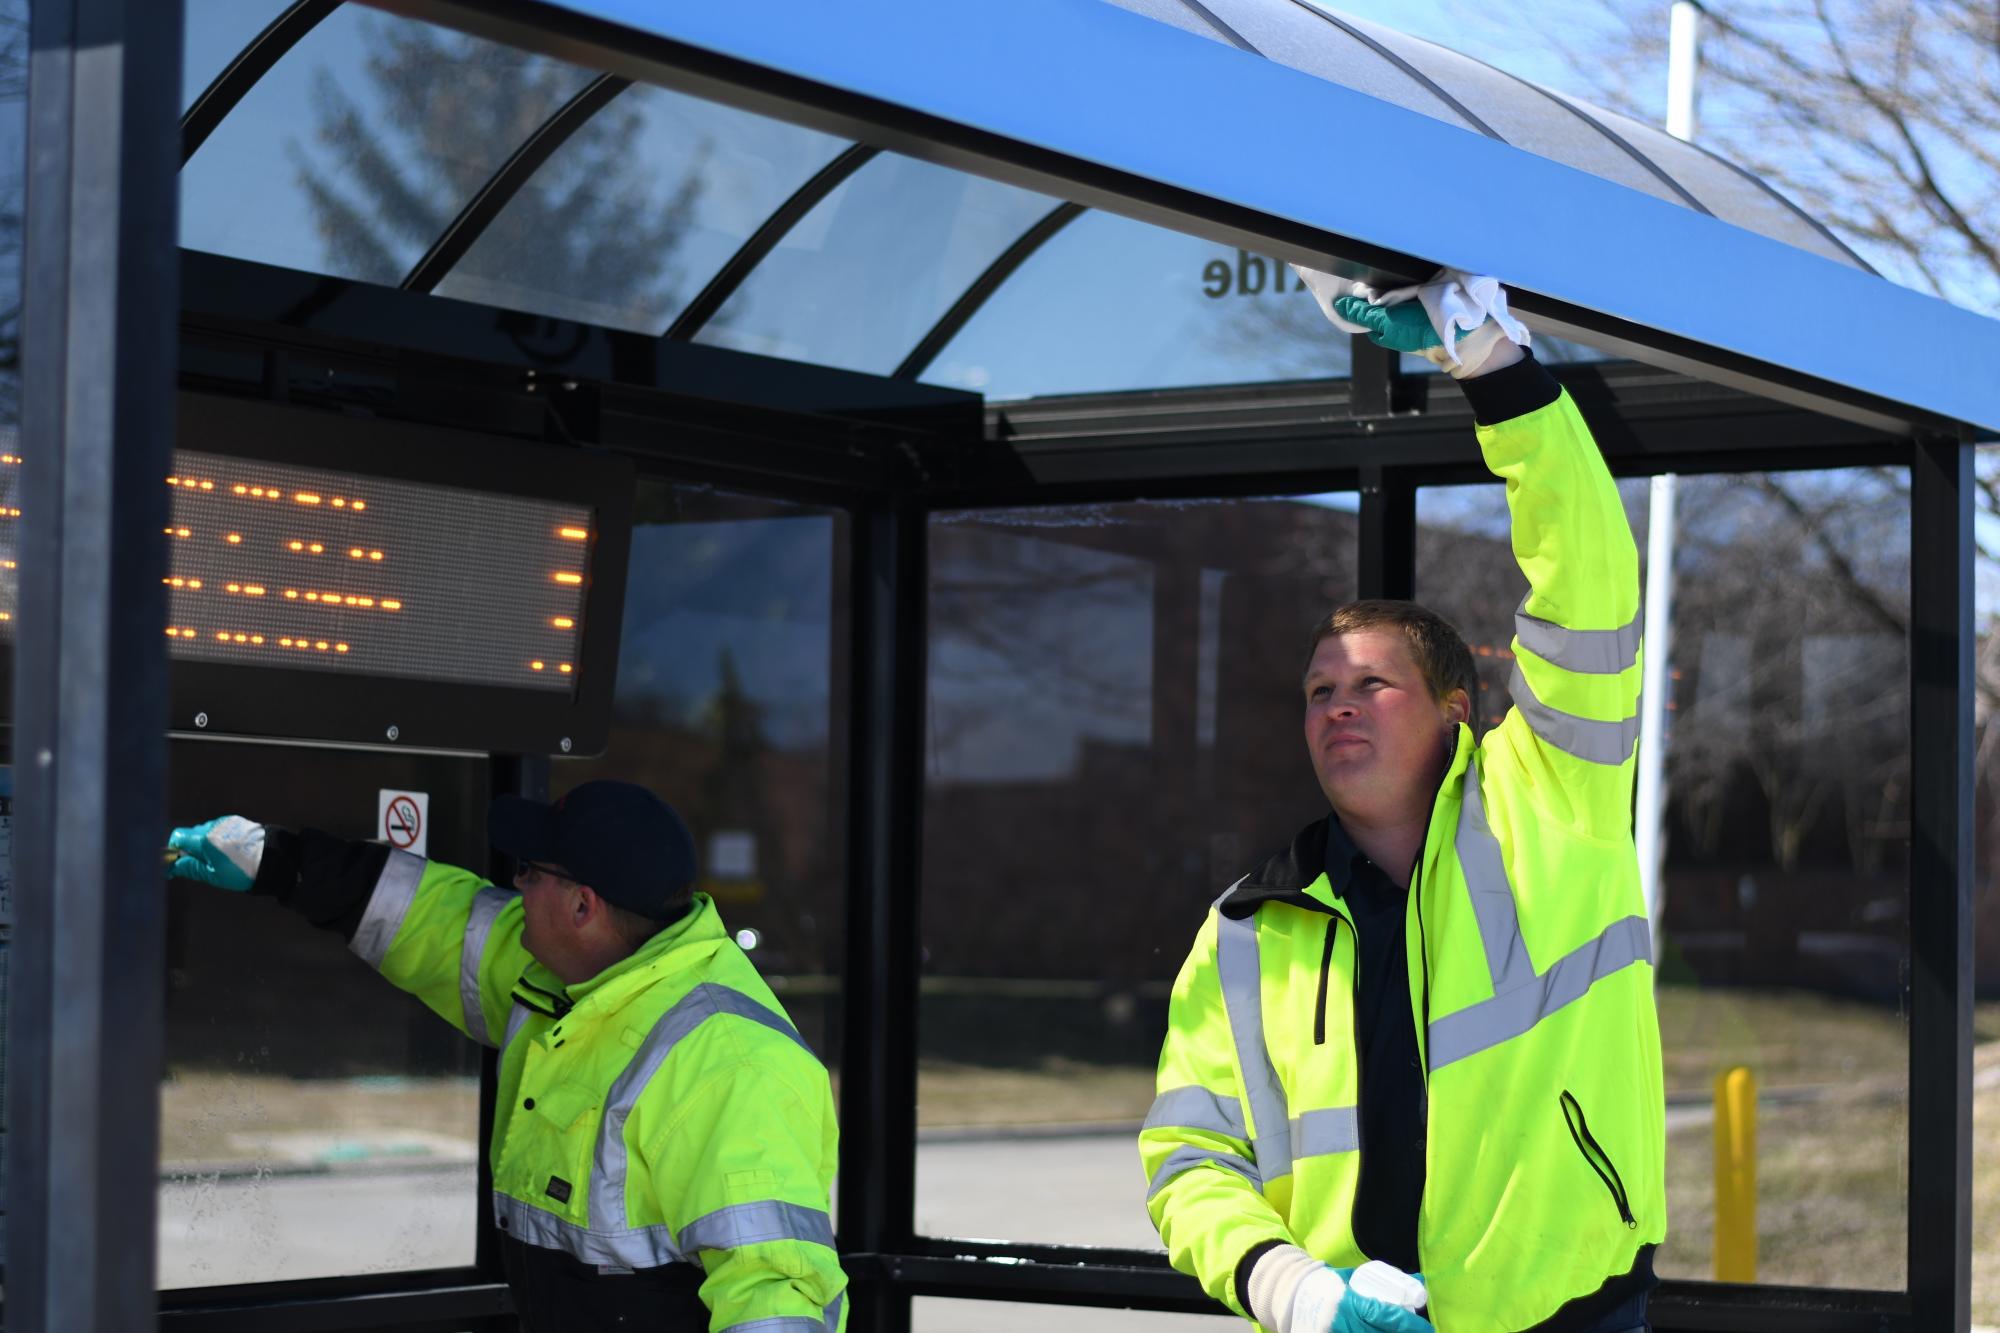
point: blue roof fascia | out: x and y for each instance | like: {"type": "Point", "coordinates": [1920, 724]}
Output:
{"type": "Point", "coordinates": [1118, 95]}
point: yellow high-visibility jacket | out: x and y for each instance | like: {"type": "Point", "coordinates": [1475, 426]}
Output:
{"type": "Point", "coordinates": [1529, 964]}
{"type": "Point", "coordinates": [665, 1111]}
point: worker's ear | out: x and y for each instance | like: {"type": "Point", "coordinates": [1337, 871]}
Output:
{"type": "Point", "coordinates": [587, 907]}
{"type": "Point", "coordinates": [1457, 707]}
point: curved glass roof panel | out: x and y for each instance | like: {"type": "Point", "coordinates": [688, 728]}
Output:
{"type": "Point", "coordinates": [626, 222]}
{"type": "Point", "coordinates": [359, 147]}
{"type": "Point", "coordinates": [864, 275]}
{"type": "Point", "coordinates": [1310, 42]}
{"type": "Point", "coordinates": [1110, 304]}
{"type": "Point", "coordinates": [1522, 115]}
{"type": "Point", "coordinates": [215, 32]}
{"type": "Point", "coordinates": [1729, 192]}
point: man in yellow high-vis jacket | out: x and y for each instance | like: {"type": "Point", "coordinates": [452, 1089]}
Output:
{"type": "Point", "coordinates": [1424, 1034]}
{"type": "Point", "coordinates": [663, 1141]}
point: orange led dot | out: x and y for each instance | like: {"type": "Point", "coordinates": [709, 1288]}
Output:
{"type": "Point", "coordinates": [321, 645]}
{"type": "Point", "coordinates": [569, 578]}
{"type": "Point", "coordinates": [254, 589]}
{"type": "Point", "coordinates": [240, 489]}
{"type": "Point", "coordinates": [208, 485]}
{"type": "Point", "coordinates": [256, 492]}
{"type": "Point", "coordinates": [329, 597]}
{"type": "Point", "coordinates": [6, 615]}
{"type": "Point", "coordinates": [272, 494]}
{"type": "Point", "coordinates": [6, 564]}
{"type": "Point", "coordinates": [222, 636]}
{"type": "Point", "coordinates": [234, 587]}
{"type": "Point", "coordinates": [234, 539]}
{"type": "Point", "coordinates": [173, 481]}
{"type": "Point", "coordinates": [339, 503]}
{"type": "Point", "coordinates": [316, 548]}
{"type": "Point", "coordinates": [351, 601]}
{"type": "Point", "coordinates": [256, 638]}
{"type": "Point", "coordinates": [365, 601]}
{"type": "Point", "coordinates": [297, 546]}
{"type": "Point", "coordinates": [173, 633]}
{"type": "Point", "coordinates": [340, 647]}
{"type": "Point", "coordinates": [284, 643]}
{"type": "Point", "coordinates": [292, 593]}
{"type": "Point", "coordinates": [306, 498]}
{"type": "Point", "coordinates": [194, 583]}
{"type": "Point", "coordinates": [359, 505]}
{"type": "Point", "coordinates": [391, 604]}
{"type": "Point", "coordinates": [535, 666]}
{"type": "Point", "coordinates": [564, 668]}
{"type": "Point", "coordinates": [374, 555]}
{"type": "Point", "coordinates": [355, 553]}
{"type": "Point", "coordinates": [573, 534]}
{"type": "Point", "coordinates": [563, 622]}
{"type": "Point", "coordinates": [312, 597]}
{"type": "Point", "coordinates": [243, 638]}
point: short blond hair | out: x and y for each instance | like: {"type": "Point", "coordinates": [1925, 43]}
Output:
{"type": "Point", "coordinates": [1438, 649]}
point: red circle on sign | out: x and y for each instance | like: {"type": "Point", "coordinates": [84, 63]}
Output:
{"type": "Point", "coordinates": [403, 823]}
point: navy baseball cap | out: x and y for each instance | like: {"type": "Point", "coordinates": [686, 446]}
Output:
{"type": "Point", "coordinates": [616, 837]}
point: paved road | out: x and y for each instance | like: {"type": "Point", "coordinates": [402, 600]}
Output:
{"type": "Point", "coordinates": [1083, 1189]}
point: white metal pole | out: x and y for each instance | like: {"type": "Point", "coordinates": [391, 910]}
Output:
{"type": "Point", "coordinates": [1656, 685]}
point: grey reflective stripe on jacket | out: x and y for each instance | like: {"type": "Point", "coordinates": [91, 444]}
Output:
{"type": "Point", "coordinates": [829, 1320]}
{"type": "Point", "coordinates": [1521, 997]}
{"type": "Point", "coordinates": [608, 1239]}
{"type": "Point", "coordinates": [1237, 968]}
{"type": "Point", "coordinates": [486, 905]}
{"type": "Point", "coordinates": [516, 1020]}
{"type": "Point", "coordinates": [1187, 1157]}
{"type": "Point", "coordinates": [1587, 652]}
{"type": "Point", "coordinates": [395, 889]}
{"type": "Point", "coordinates": [1196, 1108]}
{"type": "Point", "coordinates": [1596, 742]}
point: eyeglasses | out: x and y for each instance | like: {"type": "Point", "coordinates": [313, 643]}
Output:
{"type": "Point", "coordinates": [535, 869]}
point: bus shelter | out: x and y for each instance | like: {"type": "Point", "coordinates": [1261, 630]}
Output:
{"type": "Point", "coordinates": [937, 462]}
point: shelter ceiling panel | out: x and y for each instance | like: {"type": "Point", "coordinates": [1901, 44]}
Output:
{"type": "Point", "coordinates": [1727, 191]}
{"type": "Point", "coordinates": [1308, 41]}
{"type": "Point", "coordinates": [860, 279]}
{"type": "Point", "coordinates": [356, 150]}
{"type": "Point", "coordinates": [1112, 304]}
{"type": "Point", "coordinates": [1176, 13]}
{"type": "Point", "coordinates": [1521, 113]}
{"type": "Point", "coordinates": [214, 32]}
{"type": "Point", "coordinates": [625, 222]}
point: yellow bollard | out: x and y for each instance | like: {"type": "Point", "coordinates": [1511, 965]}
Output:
{"type": "Point", "coordinates": [1736, 1176]}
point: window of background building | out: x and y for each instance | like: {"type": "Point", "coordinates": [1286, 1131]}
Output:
{"type": "Point", "coordinates": [1113, 737]}
{"type": "Point", "coordinates": [1784, 933]}
{"type": "Point", "coordinates": [726, 706]}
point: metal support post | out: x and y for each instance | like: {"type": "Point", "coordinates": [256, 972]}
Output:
{"type": "Point", "coordinates": [878, 1092]}
{"type": "Point", "coordinates": [1941, 874]}
{"type": "Point", "coordinates": [1387, 560]}
{"type": "Point", "coordinates": [100, 277]}
{"type": "Point", "coordinates": [1377, 386]}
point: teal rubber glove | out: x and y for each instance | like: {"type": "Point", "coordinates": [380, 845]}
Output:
{"type": "Point", "coordinates": [1400, 328]}
{"type": "Point", "coordinates": [224, 852]}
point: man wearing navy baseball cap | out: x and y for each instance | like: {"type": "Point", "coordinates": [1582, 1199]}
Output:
{"type": "Point", "coordinates": [663, 1142]}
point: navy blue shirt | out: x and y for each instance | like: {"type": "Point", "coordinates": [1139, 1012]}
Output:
{"type": "Point", "coordinates": [1393, 1109]}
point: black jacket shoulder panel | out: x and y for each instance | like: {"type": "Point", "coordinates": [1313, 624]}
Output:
{"type": "Point", "coordinates": [1282, 878]}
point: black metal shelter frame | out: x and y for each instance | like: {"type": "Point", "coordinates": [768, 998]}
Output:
{"type": "Point", "coordinates": [111, 311]}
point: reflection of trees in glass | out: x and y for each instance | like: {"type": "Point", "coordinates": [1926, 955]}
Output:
{"type": "Point", "coordinates": [441, 112]}
{"type": "Point", "coordinates": [13, 125]}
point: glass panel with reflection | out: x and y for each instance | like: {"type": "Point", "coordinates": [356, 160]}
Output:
{"type": "Point", "coordinates": [1113, 738]}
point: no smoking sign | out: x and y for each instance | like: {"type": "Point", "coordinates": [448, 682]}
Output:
{"type": "Point", "coordinates": [403, 819]}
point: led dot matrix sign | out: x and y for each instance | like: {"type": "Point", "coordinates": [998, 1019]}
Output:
{"type": "Point", "coordinates": [342, 579]}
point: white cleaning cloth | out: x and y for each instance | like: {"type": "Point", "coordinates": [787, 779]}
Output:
{"type": "Point", "coordinates": [1452, 299]}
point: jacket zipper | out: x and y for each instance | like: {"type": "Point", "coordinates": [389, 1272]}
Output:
{"type": "Point", "coordinates": [1600, 1161]}
{"type": "Point", "coordinates": [1424, 959]}
{"type": "Point", "coordinates": [1325, 966]}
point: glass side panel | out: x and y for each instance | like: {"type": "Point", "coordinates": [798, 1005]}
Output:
{"type": "Point", "coordinates": [624, 224]}
{"type": "Point", "coordinates": [1722, 189]}
{"type": "Point", "coordinates": [1109, 303]}
{"type": "Point", "coordinates": [1986, 903]}
{"type": "Point", "coordinates": [314, 1120]}
{"type": "Point", "coordinates": [358, 148]}
{"type": "Point", "coordinates": [215, 33]}
{"type": "Point", "coordinates": [13, 182]}
{"type": "Point", "coordinates": [1119, 683]}
{"type": "Point", "coordinates": [1294, 35]}
{"type": "Point", "coordinates": [1521, 115]}
{"type": "Point", "coordinates": [863, 276]}
{"type": "Point", "coordinates": [1783, 921]}
{"type": "Point", "coordinates": [732, 656]}
{"type": "Point", "coordinates": [939, 1314]}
